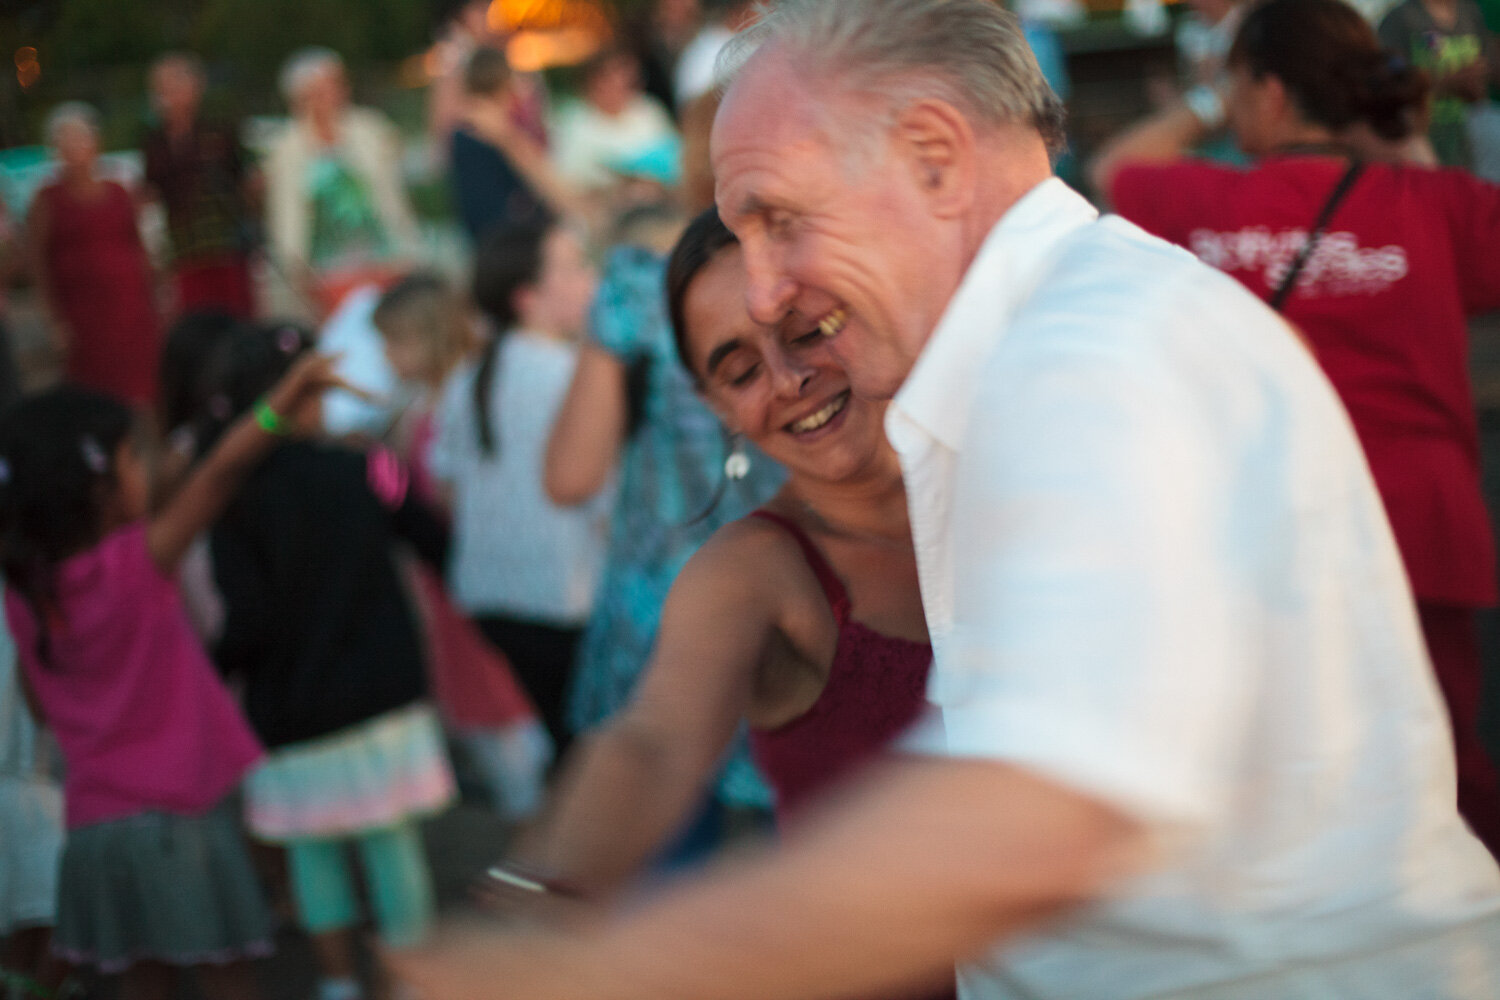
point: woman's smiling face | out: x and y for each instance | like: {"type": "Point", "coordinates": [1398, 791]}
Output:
{"type": "Point", "coordinates": [781, 388]}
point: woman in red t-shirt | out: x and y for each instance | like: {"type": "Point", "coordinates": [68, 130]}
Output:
{"type": "Point", "coordinates": [1403, 256]}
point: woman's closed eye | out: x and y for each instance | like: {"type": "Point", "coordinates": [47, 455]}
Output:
{"type": "Point", "coordinates": [742, 376]}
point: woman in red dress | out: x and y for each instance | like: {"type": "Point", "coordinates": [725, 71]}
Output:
{"type": "Point", "coordinates": [92, 269]}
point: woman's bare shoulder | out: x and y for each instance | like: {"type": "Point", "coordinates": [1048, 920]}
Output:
{"type": "Point", "coordinates": [751, 556]}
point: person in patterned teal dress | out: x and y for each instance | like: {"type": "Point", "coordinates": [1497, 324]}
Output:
{"type": "Point", "coordinates": [670, 471]}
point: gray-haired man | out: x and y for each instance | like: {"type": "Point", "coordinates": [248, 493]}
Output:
{"type": "Point", "coordinates": [1183, 740]}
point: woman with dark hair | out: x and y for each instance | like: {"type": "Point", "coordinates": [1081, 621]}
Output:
{"type": "Point", "coordinates": [524, 568]}
{"type": "Point", "coordinates": [803, 619]}
{"type": "Point", "coordinates": [1379, 266]}
{"type": "Point", "coordinates": [499, 174]}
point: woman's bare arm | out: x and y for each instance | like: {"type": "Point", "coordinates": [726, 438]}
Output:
{"type": "Point", "coordinates": [923, 862]}
{"type": "Point", "coordinates": [1163, 137]}
{"type": "Point", "coordinates": [633, 783]}
{"type": "Point", "coordinates": [208, 488]}
{"type": "Point", "coordinates": [590, 429]}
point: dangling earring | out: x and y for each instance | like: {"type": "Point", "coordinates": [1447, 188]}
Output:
{"type": "Point", "coordinates": [737, 465]}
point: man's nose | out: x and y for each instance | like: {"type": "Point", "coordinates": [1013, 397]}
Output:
{"type": "Point", "coordinates": [769, 290]}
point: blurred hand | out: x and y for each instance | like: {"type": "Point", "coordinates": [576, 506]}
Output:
{"type": "Point", "coordinates": [298, 395]}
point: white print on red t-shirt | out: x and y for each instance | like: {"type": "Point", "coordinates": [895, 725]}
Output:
{"type": "Point", "coordinates": [1339, 266]}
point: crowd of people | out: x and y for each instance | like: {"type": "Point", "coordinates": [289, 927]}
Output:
{"type": "Point", "coordinates": [1048, 604]}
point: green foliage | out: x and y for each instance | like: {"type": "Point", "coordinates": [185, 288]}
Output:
{"type": "Point", "coordinates": [92, 33]}
{"type": "Point", "coordinates": [99, 51]}
{"type": "Point", "coordinates": [259, 34]}
{"type": "Point", "coordinates": [256, 35]}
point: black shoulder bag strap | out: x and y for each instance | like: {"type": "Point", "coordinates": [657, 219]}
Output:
{"type": "Point", "coordinates": [1284, 290]}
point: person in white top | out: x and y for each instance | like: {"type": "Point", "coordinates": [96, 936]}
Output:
{"type": "Point", "coordinates": [1184, 741]}
{"type": "Point", "coordinates": [524, 568]}
{"type": "Point", "coordinates": [336, 207]}
{"type": "Point", "coordinates": [616, 130]}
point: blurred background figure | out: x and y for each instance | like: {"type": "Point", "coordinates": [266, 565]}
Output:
{"type": "Point", "coordinates": [429, 334]}
{"type": "Point", "coordinates": [463, 29]}
{"type": "Point", "coordinates": [614, 131]}
{"type": "Point", "coordinates": [91, 268]}
{"type": "Point", "coordinates": [337, 215]}
{"type": "Point", "coordinates": [525, 567]}
{"type": "Point", "coordinates": [698, 100]}
{"type": "Point", "coordinates": [198, 171]}
{"type": "Point", "coordinates": [694, 75]}
{"type": "Point", "coordinates": [499, 175]}
{"type": "Point", "coordinates": [1449, 40]}
{"type": "Point", "coordinates": [350, 333]}
{"type": "Point", "coordinates": [31, 816]}
{"type": "Point", "coordinates": [1358, 256]}
{"type": "Point", "coordinates": [657, 35]}
{"type": "Point", "coordinates": [1204, 35]}
{"type": "Point", "coordinates": [12, 263]}
{"type": "Point", "coordinates": [320, 628]}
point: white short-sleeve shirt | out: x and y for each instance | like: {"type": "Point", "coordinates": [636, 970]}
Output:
{"type": "Point", "coordinates": [1156, 570]}
{"type": "Point", "coordinates": [516, 554]}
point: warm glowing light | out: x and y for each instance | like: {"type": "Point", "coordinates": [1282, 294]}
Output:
{"type": "Point", "coordinates": [545, 33]}
{"type": "Point", "coordinates": [532, 51]}
{"type": "Point", "coordinates": [506, 16]}
{"type": "Point", "coordinates": [28, 67]}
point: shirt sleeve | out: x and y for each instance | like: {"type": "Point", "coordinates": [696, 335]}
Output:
{"type": "Point", "coordinates": [288, 225]}
{"type": "Point", "coordinates": [1092, 640]}
{"type": "Point", "coordinates": [630, 306]}
{"type": "Point", "coordinates": [1473, 210]}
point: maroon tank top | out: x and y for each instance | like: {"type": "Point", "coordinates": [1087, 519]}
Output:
{"type": "Point", "coordinates": [876, 689]}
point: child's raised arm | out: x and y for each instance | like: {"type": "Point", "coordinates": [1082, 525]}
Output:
{"type": "Point", "coordinates": [208, 489]}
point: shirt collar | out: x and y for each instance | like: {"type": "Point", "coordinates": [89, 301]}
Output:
{"type": "Point", "coordinates": [937, 394]}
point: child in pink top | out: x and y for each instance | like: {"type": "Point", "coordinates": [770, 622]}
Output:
{"type": "Point", "coordinates": [127, 652]}
{"type": "Point", "coordinates": [154, 874]}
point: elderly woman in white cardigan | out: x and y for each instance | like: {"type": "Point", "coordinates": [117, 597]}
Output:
{"type": "Point", "coordinates": [337, 216]}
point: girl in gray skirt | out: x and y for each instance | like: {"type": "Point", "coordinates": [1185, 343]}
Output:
{"type": "Point", "coordinates": [154, 874]}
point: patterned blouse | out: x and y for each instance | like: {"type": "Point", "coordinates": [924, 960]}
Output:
{"type": "Point", "coordinates": [670, 470]}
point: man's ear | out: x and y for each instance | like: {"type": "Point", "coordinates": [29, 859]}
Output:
{"type": "Point", "coordinates": [939, 147]}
